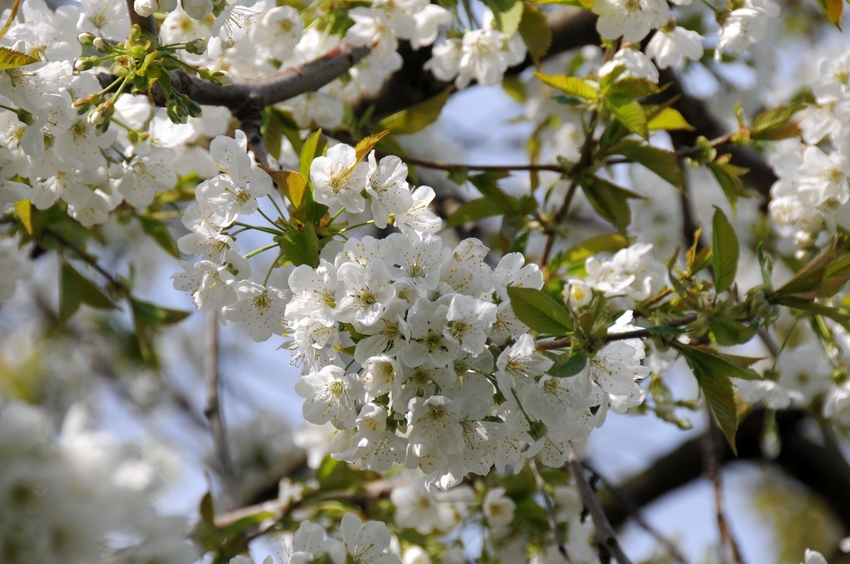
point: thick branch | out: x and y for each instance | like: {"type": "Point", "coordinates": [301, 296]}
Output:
{"type": "Point", "coordinates": [274, 89]}
{"type": "Point", "coordinates": [823, 469]}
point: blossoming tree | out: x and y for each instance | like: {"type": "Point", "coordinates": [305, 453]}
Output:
{"type": "Point", "coordinates": [683, 206]}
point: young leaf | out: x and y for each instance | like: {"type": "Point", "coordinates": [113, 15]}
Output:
{"type": "Point", "coordinates": [631, 114]}
{"type": "Point", "coordinates": [474, 210]}
{"type": "Point", "coordinates": [75, 289]}
{"type": "Point", "coordinates": [663, 163]}
{"type": "Point", "coordinates": [158, 230]}
{"type": "Point", "coordinates": [487, 184]}
{"type": "Point", "coordinates": [367, 144]}
{"type": "Point", "coordinates": [728, 332]}
{"type": "Point", "coordinates": [511, 18]}
{"type": "Point", "coordinates": [609, 200]}
{"type": "Point", "coordinates": [151, 314]}
{"type": "Point", "coordinates": [773, 124]}
{"type": "Point", "coordinates": [668, 119]}
{"type": "Point", "coordinates": [24, 210]}
{"type": "Point", "coordinates": [807, 280]}
{"type": "Point", "coordinates": [572, 85]}
{"type": "Point", "coordinates": [717, 388]}
{"type": "Point", "coordinates": [535, 31]}
{"type": "Point", "coordinates": [803, 304]}
{"type": "Point", "coordinates": [540, 311]}
{"type": "Point", "coordinates": [607, 242]}
{"type": "Point", "coordinates": [832, 9]}
{"type": "Point", "coordinates": [301, 246]}
{"type": "Point", "coordinates": [11, 19]}
{"type": "Point", "coordinates": [726, 251]}
{"type": "Point", "coordinates": [728, 176]}
{"type": "Point", "coordinates": [308, 153]}
{"type": "Point", "coordinates": [416, 118]}
{"type": "Point", "coordinates": [568, 365]}
{"type": "Point", "coordinates": [291, 182]}
{"type": "Point", "coordinates": [835, 278]}
{"type": "Point", "coordinates": [11, 59]}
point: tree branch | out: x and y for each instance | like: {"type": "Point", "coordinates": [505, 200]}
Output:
{"type": "Point", "coordinates": [550, 510]}
{"type": "Point", "coordinates": [213, 411]}
{"type": "Point", "coordinates": [636, 334]}
{"type": "Point", "coordinates": [710, 463]}
{"type": "Point", "coordinates": [147, 24]}
{"type": "Point", "coordinates": [606, 539]}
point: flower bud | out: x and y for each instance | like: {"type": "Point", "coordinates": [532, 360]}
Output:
{"type": "Point", "coordinates": [86, 38]}
{"type": "Point", "coordinates": [196, 46]}
{"type": "Point", "coordinates": [100, 44]}
{"type": "Point", "coordinates": [86, 63]}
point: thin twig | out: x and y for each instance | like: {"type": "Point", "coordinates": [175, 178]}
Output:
{"type": "Point", "coordinates": [710, 461]}
{"type": "Point", "coordinates": [633, 508]}
{"type": "Point", "coordinates": [550, 510]}
{"type": "Point", "coordinates": [213, 411]}
{"type": "Point", "coordinates": [606, 539]}
{"type": "Point", "coordinates": [636, 334]}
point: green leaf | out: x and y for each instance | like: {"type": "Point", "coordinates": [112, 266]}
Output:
{"type": "Point", "coordinates": [668, 119]}
{"type": "Point", "coordinates": [726, 251]}
{"type": "Point", "coordinates": [835, 278]}
{"type": "Point", "coordinates": [728, 332]}
{"type": "Point", "coordinates": [832, 9]}
{"type": "Point", "coordinates": [729, 178]}
{"type": "Point", "coordinates": [663, 163]}
{"type": "Point", "coordinates": [568, 365]}
{"type": "Point", "coordinates": [206, 509]}
{"type": "Point", "coordinates": [281, 123]}
{"type": "Point", "coordinates": [75, 289]}
{"type": "Point", "coordinates": [540, 311]}
{"type": "Point", "coordinates": [418, 117]}
{"type": "Point", "coordinates": [773, 124]}
{"type": "Point", "coordinates": [815, 308]}
{"type": "Point", "coordinates": [474, 210]}
{"type": "Point", "coordinates": [11, 59]}
{"type": "Point", "coordinates": [609, 200]}
{"type": "Point", "coordinates": [24, 210]}
{"type": "Point", "coordinates": [308, 153]}
{"type": "Point", "coordinates": [806, 281]}
{"type": "Point", "coordinates": [291, 182]}
{"type": "Point", "coordinates": [717, 388]}
{"type": "Point", "coordinates": [572, 85]}
{"type": "Point", "coordinates": [511, 18]}
{"type": "Point", "coordinates": [151, 314]}
{"type": "Point", "coordinates": [631, 114]}
{"type": "Point", "coordinates": [727, 365]}
{"type": "Point", "coordinates": [367, 144]}
{"type": "Point", "coordinates": [158, 230]}
{"type": "Point", "coordinates": [301, 246]}
{"type": "Point", "coordinates": [535, 31]}
{"type": "Point", "coordinates": [487, 184]}
{"type": "Point", "coordinates": [633, 87]}
{"type": "Point", "coordinates": [607, 242]}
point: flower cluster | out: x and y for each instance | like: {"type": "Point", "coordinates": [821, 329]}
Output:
{"type": "Point", "coordinates": [447, 379]}
{"type": "Point", "coordinates": [82, 498]}
{"type": "Point", "coordinates": [813, 189]}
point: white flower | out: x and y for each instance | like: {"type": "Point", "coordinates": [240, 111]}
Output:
{"type": "Point", "coordinates": [415, 554]}
{"type": "Point", "coordinates": [277, 34]}
{"type": "Point", "coordinates": [338, 179]}
{"type": "Point", "coordinates": [771, 394]}
{"type": "Point", "coordinates": [482, 58]}
{"type": "Point", "coordinates": [416, 508]}
{"type": "Point", "coordinates": [637, 65]}
{"type": "Point", "coordinates": [813, 557]}
{"type": "Point", "coordinates": [427, 25]}
{"type": "Point", "coordinates": [616, 368]}
{"type": "Point", "coordinates": [519, 364]}
{"type": "Point", "coordinates": [470, 321]}
{"type": "Point", "coordinates": [444, 63]}
{"type": "Point", "coordinates": [745, 26]}
{"type": "Point", "coordinates": [631, 19]}
{"type": "Point", "coordinates": [366, 292]}
{"type": "Point", "coordinates": [387, 185]}
{"type": "Point", "coordinates": [419, 220]}
{"type": "Point", "coordinates": [366, 543]}
{"type": "Point", "coordinates": [671, 48]}
{"type": "Point", "coordinates": [309, 544]}
{"type": "Point", "coordinates": [148, 173]}
{"type": "Point", "coordinates": [498, 508]}
{"type": "Point", "coordinates": [331, 395]}
{"type": "Point", "coordinates": [260, 309]}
